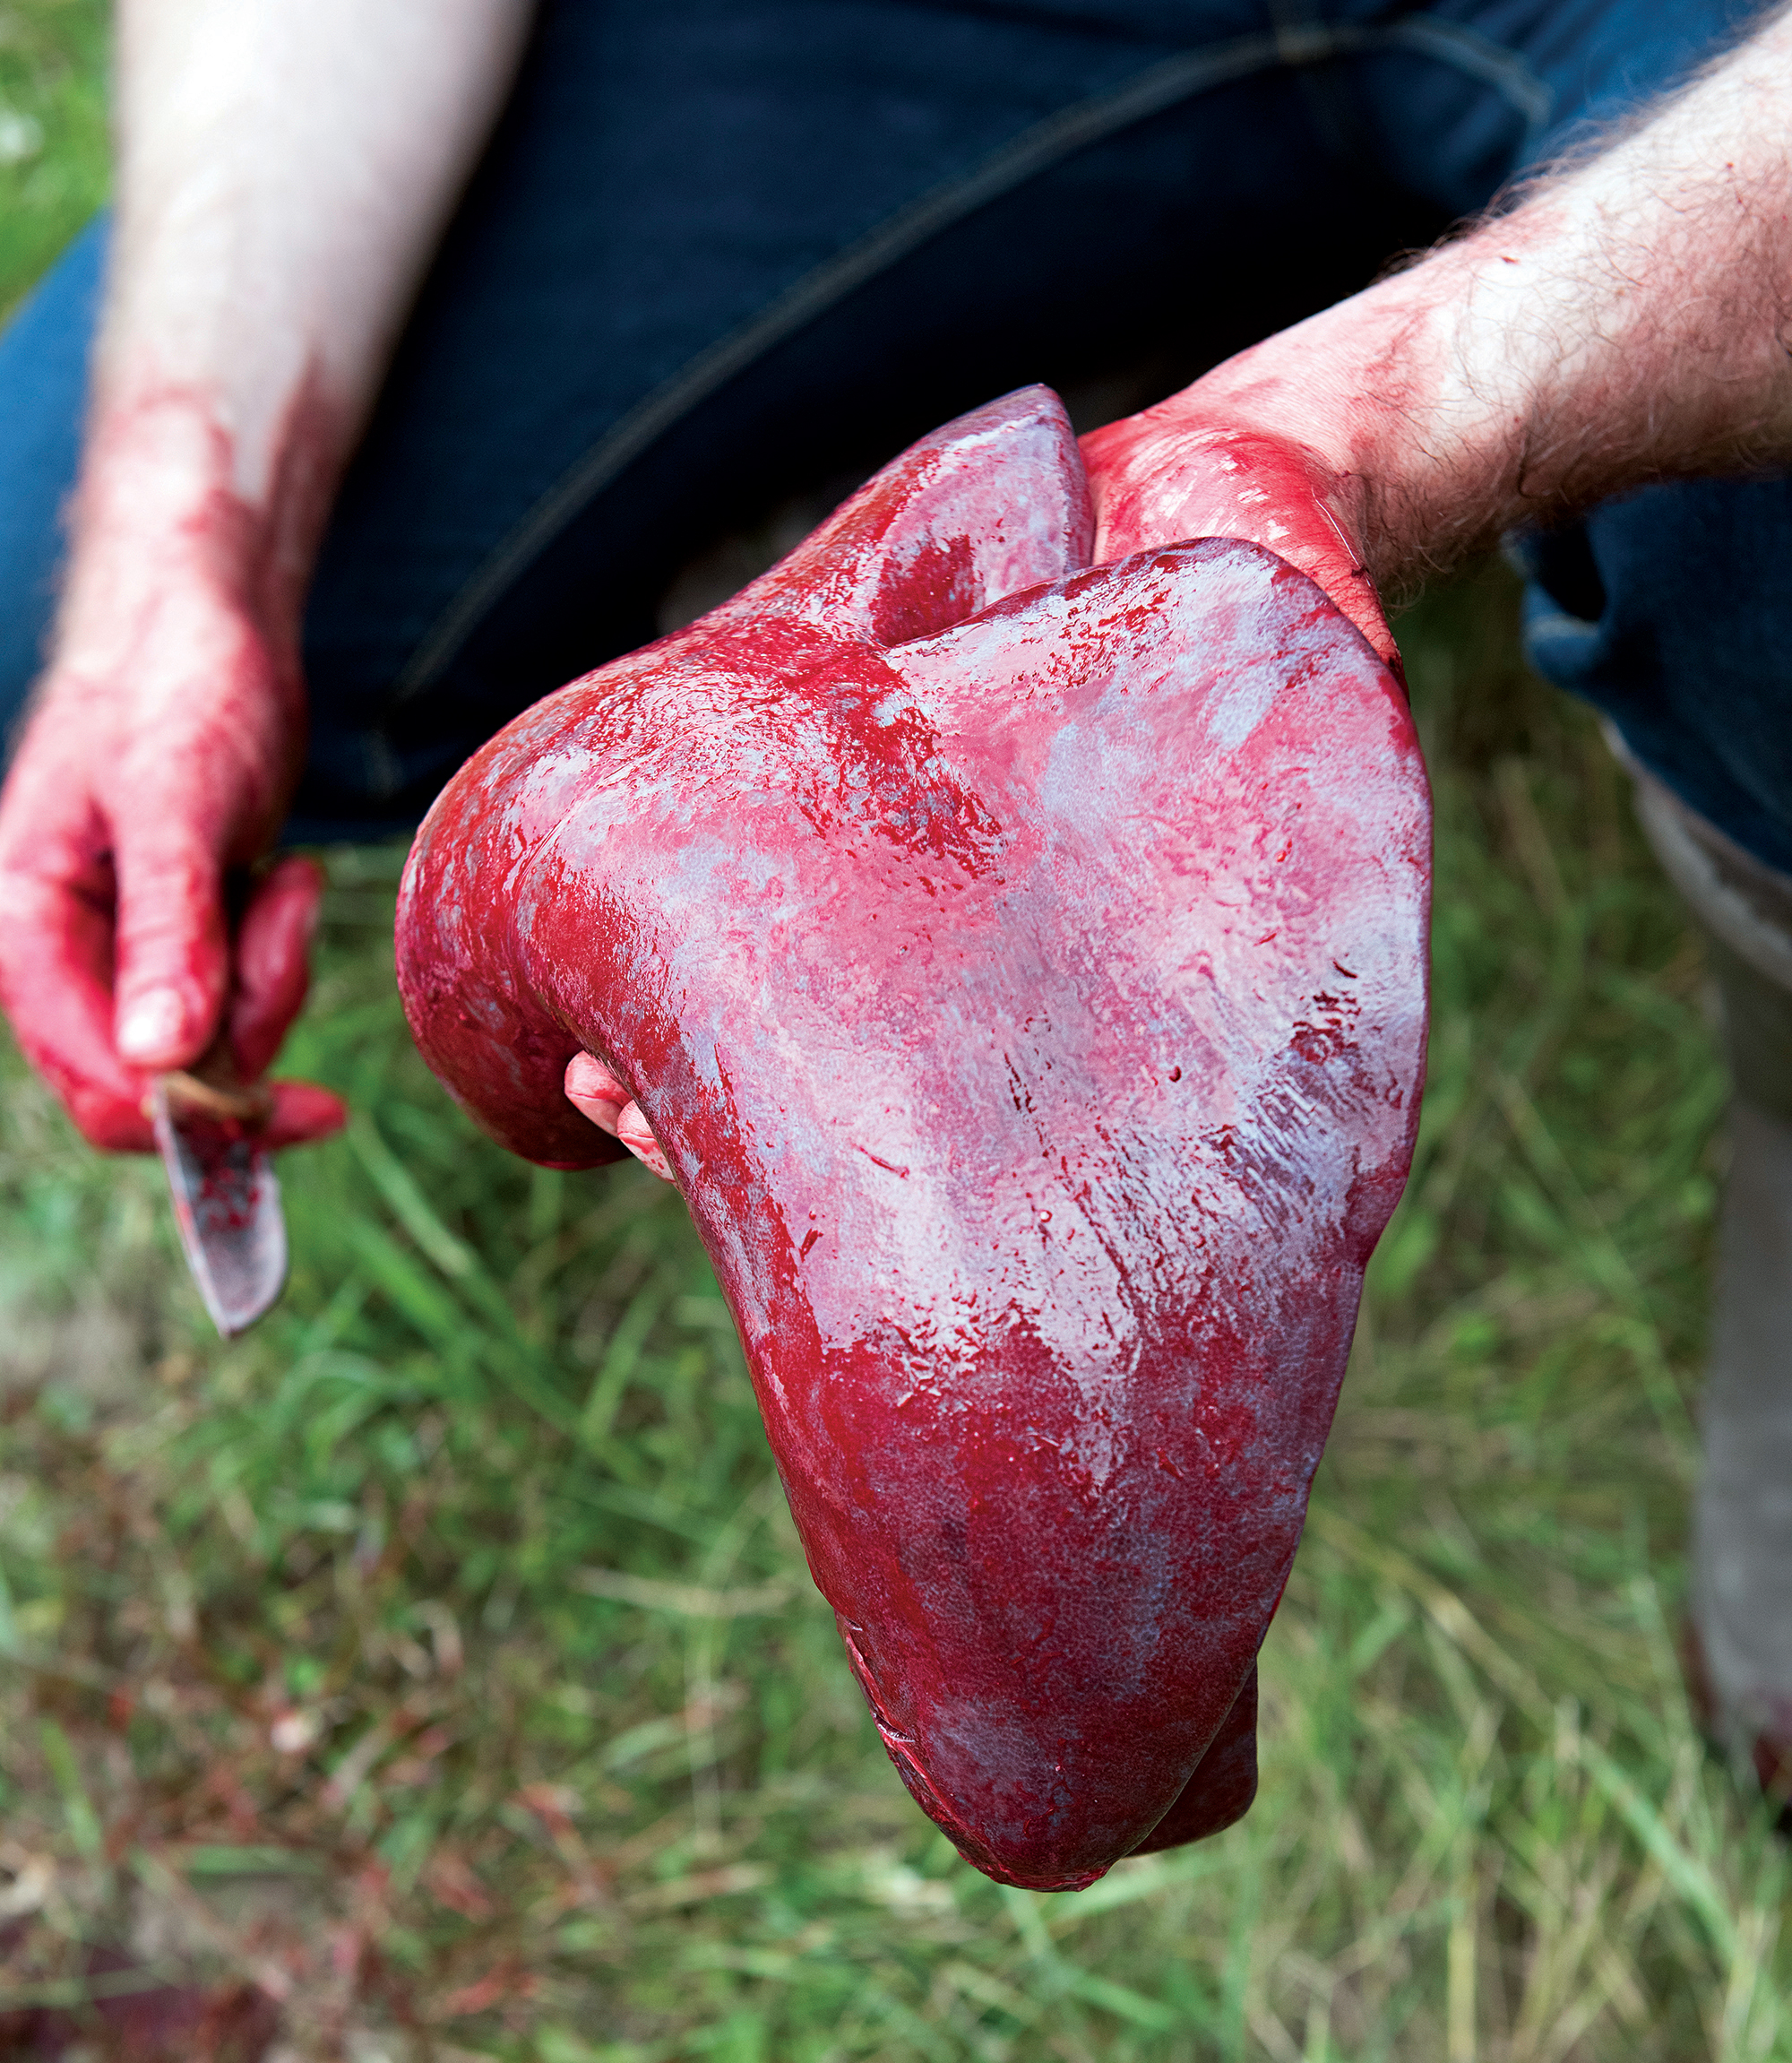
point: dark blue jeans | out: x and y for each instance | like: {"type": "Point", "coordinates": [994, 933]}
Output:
{"type": "Point", "coordinates": [722, 249]}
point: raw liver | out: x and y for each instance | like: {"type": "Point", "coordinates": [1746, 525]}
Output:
{"type": "Point", "coordinates": [1022, 968]}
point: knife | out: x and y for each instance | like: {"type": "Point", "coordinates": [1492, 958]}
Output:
{"type": "Point", "coordinates": [208, 1124]}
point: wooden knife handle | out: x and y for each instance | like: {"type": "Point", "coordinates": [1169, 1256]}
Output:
{"type": "Point", "coordinates": [213, 1088]}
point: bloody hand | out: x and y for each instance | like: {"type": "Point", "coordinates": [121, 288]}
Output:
{"type": "Point", "coordinates": [1020, 968]}
{"type": "Point", "coordinates": [160, 755]}
{"type": "Point", "coordinates": [1185, 469]}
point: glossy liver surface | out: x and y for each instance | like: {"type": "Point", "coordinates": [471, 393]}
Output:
{"type": "Point", "coordinates": [1022, 968]}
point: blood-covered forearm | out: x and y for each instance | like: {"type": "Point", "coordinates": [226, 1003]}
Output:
{"type": "Point", "coordinates": [1629, 321]}
{"type": "Point", "coordinates": [285, 170]}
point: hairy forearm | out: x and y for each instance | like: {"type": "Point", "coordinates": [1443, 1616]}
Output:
{"type": "Point", "coordinates": [285, 170]}
{"type": "Point", "coordinates": [1629, 321]}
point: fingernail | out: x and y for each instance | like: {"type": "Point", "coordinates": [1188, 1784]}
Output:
{"type": "Point", "coordinates": [637, 1134]}
{"type": "Point", "coordinates": [586, 1075]}
{"type": "Point", "coordinates": [599, 1109]}
{"type": "Point", "coordinates": [151, 1029]}
{"type": "Point", "coordinates": [594, 1092]}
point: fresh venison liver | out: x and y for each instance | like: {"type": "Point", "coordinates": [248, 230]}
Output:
{"type": "Point", "coordinates": [1021, 967]}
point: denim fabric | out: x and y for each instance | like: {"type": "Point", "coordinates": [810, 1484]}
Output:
{"type": "Point", "coordinates": [43, 384]}
{"type": "Point", "coordinates": [1672, 611]}
{"type": "Point", "coordinates": [720, 250]}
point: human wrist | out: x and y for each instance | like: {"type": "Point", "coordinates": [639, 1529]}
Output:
{"type": "Point", "coordinates": [160, 506]}
{"type": "Point", "coordinates": [1413, 466]}
{"type": "Point", "coordinates": [1257, 450]}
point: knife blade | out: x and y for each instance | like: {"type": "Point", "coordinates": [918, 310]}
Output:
{"type": "Point", "coordinates": [208, 1125]}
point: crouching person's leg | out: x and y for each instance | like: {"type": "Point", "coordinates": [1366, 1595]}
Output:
{"type": "Point", "coordinates": [1671, 612]}
{"type": "Point", "coordinates": [1742, 1528]}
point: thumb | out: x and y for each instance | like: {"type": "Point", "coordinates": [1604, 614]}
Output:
{"type": "Point", "coordinates": [172, 949]}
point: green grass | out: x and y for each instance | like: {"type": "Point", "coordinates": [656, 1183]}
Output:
{"type": "Point", "coordinates": [485, 1508]}
{"type": "Point", "coordinates": [440, 1657]}
{"type": "Point", "coordinates": [53, 135]}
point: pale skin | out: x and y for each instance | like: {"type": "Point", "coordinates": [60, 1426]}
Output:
{"type": "Point", "coordinates": [279, 199]}
{"type": "Point", "coordinates": [286, 168]}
